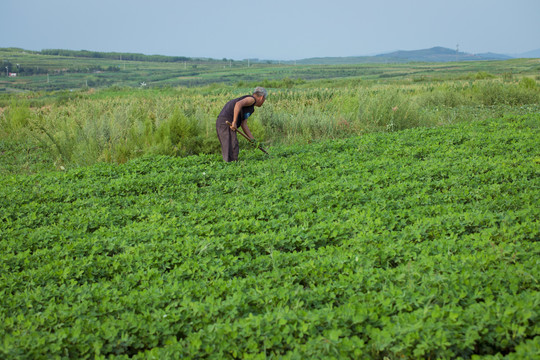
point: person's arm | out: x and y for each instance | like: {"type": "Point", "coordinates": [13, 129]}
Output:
{"type": "Point", "coordinates": [246, 130]}
{"type": "Point", "coordinates": [248, 101]}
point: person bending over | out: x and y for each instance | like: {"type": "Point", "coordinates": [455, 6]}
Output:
{"type": "Point", "coordinates": [237, 112]}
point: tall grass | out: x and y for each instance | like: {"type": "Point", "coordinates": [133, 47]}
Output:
{"type": "Point", "coordinates": [126, 124]}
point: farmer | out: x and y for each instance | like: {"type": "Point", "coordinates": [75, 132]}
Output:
{"type": "Point", "coordinates": [237, 111]}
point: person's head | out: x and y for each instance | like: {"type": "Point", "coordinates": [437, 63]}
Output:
{"type": "Point", "coordinates": [260, 95]}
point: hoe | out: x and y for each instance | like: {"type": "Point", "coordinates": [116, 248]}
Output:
{"type": "Point", "coordinates": [248, 139]}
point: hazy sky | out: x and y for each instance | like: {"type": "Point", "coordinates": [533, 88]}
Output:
{"type": "Point", "coordinates": [273, 29]}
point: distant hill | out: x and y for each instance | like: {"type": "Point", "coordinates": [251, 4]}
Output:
{"type": "Point", "coordinates": [529, 54]}
{"type": "Point", "coordinates": [435, 54]}
{"type": "Point", "coordinates": [440, 54]}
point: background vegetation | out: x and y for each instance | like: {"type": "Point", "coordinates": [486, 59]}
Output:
{"type": "Point", "coordinates": [73, 70]}
{"type": "Point", "coordinates": [116, 123]}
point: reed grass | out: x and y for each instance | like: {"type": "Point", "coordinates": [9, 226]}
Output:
{"type": "Point", "coordinates": [126, 124]}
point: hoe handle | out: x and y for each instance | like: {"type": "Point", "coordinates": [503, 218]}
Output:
{"type": "Point", "coordinates": [244, 135]}
{"type": "Point", "coordinates": [240, 131]}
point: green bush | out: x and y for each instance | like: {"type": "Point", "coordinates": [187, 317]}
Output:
{"type": "Point", "coordinates": [178, 135]}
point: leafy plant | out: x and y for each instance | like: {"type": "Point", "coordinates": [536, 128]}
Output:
{"type": "Point", "coordinates": [419, 243]}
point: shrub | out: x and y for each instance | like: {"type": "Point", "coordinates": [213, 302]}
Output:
{"type": "Point", "coordinates": [183, 134]}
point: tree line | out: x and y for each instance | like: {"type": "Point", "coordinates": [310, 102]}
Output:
{"type": "Point", "coordinates": [114, 55]}
{"type": "Point", "coordinates": [20, 69]}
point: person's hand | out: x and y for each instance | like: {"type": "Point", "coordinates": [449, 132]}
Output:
{"type": "Point", "coordinates": [233, 126]}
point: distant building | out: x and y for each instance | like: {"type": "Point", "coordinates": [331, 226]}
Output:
{"type": "Point", "coordinates": [12, 74]}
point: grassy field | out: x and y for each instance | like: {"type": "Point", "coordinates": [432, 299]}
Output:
{"type": "Point", "coordinates": [115, 125]}
{"type": "Point", "coordinates": [396, 216]}
{"type": "Point", "coordinates": [73, 73]}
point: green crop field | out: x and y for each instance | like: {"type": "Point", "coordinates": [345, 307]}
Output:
{"type": "Point", "coordinates": [421, 243]}
{"type": "Point", "coordinates": [396, 217]}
